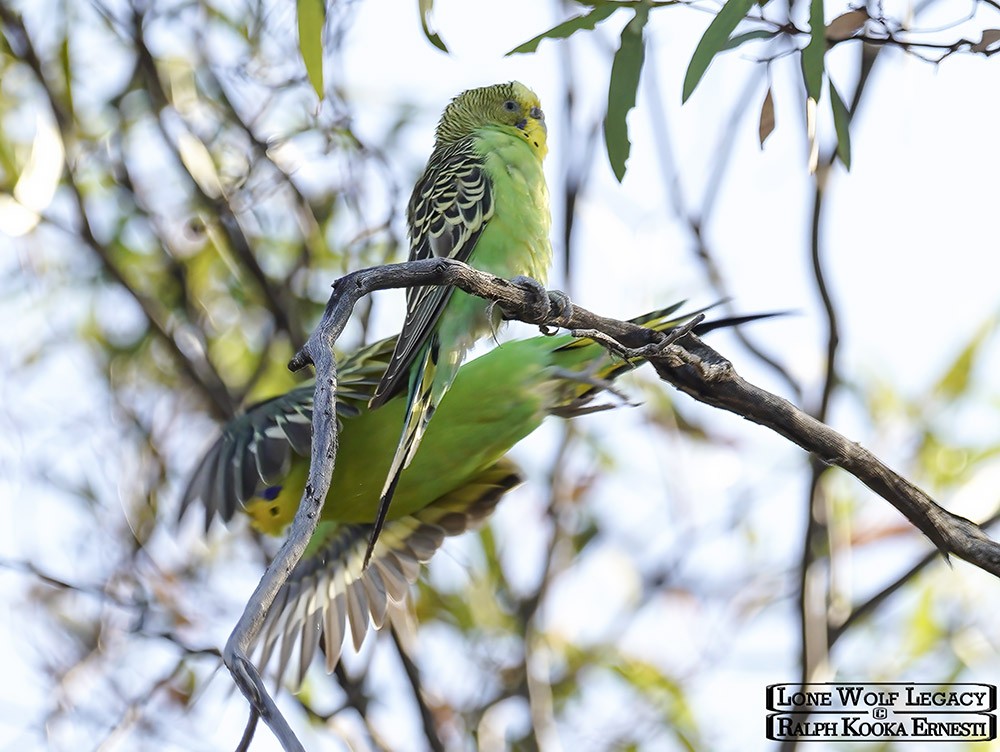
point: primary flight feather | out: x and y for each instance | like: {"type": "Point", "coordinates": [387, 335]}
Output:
{"type": "Point", "coordinates": [481, 199]}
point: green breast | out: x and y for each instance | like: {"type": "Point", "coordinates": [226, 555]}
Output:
{"type": "Point", "coordinates": [494, 402]}
{"type": "Point", "coordinates": [517, 238]}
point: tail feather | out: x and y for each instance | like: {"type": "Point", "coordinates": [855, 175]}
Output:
{"type": "Point", "coordinates": [425, 393]}
{"type": "Point", "coordinates": [329, 592]}
{"type": "Point", "coordinates": [600, 372]}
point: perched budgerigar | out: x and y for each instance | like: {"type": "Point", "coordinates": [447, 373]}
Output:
{"type": "Point", "coordinates": [260, 464]}
{"type": "Point", "coordinates": [481, 199]}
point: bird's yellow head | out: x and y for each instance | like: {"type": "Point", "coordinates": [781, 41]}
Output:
{"type": "Point", "coordinates": [511, 106]}
{"type": "Point", "coordinates": [273, 507]}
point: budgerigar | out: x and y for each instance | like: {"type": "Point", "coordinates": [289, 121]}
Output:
{"type": "Point", "coordinates": [261, 461]}
{"type": "Point", "coordinates": [481, 199]}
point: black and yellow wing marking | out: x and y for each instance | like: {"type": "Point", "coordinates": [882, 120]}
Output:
{"type": "Point", "coordinates": [255, 449]}
{"type": "Point", "coordinates": [448, 211]}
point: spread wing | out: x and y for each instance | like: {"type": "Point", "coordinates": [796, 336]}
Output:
{"type": "Point", "coordinates": [448, 211]}
{"type": "Point", "coordinates": [255, 449]}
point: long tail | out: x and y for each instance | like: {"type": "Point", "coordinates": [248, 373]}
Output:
{"type": "Point", "coordinates": [426, 390]}
{"type": "Point", "coordinates": [328, 592]}
{"type": "Point", "coordinates": [591, 369]}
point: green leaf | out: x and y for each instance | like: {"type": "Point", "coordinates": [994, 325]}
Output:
{"type": "Point", "coordinates": [566, 29]}
{"type": "Point", "coordinates": [312, 17]}
{"type": "Point", "coordinates": [426, 11]}
{"type": "Point", "coordinates": [713, 41]}
{"type": "Point", "coordinates": [846, 25]}
{"type": "Point", "coordinates": [812, 55]}
{"type": "Point", "coordinates": [955, 382]}
{"type": "Point", "coordinates": [842, 124]}
{"type": "Point", "coordinates": [989, 38]}
{"type": "Point", "coordinates": [66, 64]}
{"type": "Point", "coordinates": [622, 89]}
{"type": "Point", "coordinates": [766, 124]}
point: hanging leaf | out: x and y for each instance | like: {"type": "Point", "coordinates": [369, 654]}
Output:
{"type": "Point", "coordinates": [812, 55]}
{"type": "Point", "coordinates": [766, 125]}
{"type": "Point", "coordinates": [846, 25]}
{"type": "Point", "coordinates": [66, 65]}
{"type": "Point", "coordinates": [990, 37]}
{"type": "Point", "coordinates": [312, 17]}
{"type": "Point", "coordinates": [955, 381]}
{"type": "Point", "coordinates": [586, 22]}
{"type": "Point", "coordinates": [625, 70]}
{"type": "Point", "coordinates": [841, 123]}
{"type": "Point", "coordinates": [713, 41]}
{"type": "Point", "coordinates": [812, 75]}
{"type": "Point", "coordinates": [427, 24]}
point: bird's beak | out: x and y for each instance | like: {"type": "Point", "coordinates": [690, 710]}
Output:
{"type": "Point", "coordinates": [535, 130]}
{"type": "Point", "coordinates": [536, 114]}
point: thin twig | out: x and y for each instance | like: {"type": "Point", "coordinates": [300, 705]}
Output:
{"type": "Point", "coordinates": [248, 732]}
{"type": "Point", "coordinates": [416, 684]}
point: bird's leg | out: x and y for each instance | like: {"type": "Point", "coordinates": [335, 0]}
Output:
{"type": "Point", "coordinates": [545, 307]}
{"type": "Point", "coordinates": [560, 306]}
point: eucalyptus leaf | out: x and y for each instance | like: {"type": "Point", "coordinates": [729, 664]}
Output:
{"type": "Point", "coordinates": [586, 22]}
{"type": "Point", "coordinates": [842, 124]}
{"type": "Point", "coordinates": [311, 18]}
{"type": "Point", "coordinates": [713, 41]}
{"type": "Point", "coordinates": [625, 71]}
{"type": "Point", "coordinates": [766, 125]}
{"type": "Point", "coordinates": [814, 52]}
{"type": "Point", "coordinates": [426, 12]}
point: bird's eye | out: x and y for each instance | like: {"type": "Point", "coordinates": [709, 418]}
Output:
{"type": "Point", "coordinates": [510, 105]}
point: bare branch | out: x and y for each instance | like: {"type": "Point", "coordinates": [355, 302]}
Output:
{"type": "Point", "coordinates": [701, 372]}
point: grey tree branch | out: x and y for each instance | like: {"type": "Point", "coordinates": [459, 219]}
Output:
{"type": "Point", "coordinates": [698, 370]}
{"type": "Point", "coordinates": [688, 364]}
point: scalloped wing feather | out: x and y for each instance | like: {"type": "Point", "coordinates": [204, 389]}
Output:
{"type": "Point", "coordinates": [328, 594]}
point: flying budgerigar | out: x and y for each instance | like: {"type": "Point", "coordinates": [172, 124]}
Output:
{"type": "Point", "coordinates": [481, 199]}
{"type": "Point", "coordinates": [261, 461]}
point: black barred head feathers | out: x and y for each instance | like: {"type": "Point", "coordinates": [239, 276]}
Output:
{"type": "Point", "coordinates": [511, 106]}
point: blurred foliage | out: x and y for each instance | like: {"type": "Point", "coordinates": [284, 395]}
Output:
{"type": "Point", "coordinates": [778, 30]}
{"type": "Point", "coordinates": [202, 209]}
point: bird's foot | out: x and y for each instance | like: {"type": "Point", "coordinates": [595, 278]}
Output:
{"type": "Point", "coordinates": [547, 308]}
{"type": "Point", "coordinates": [560, 306]}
